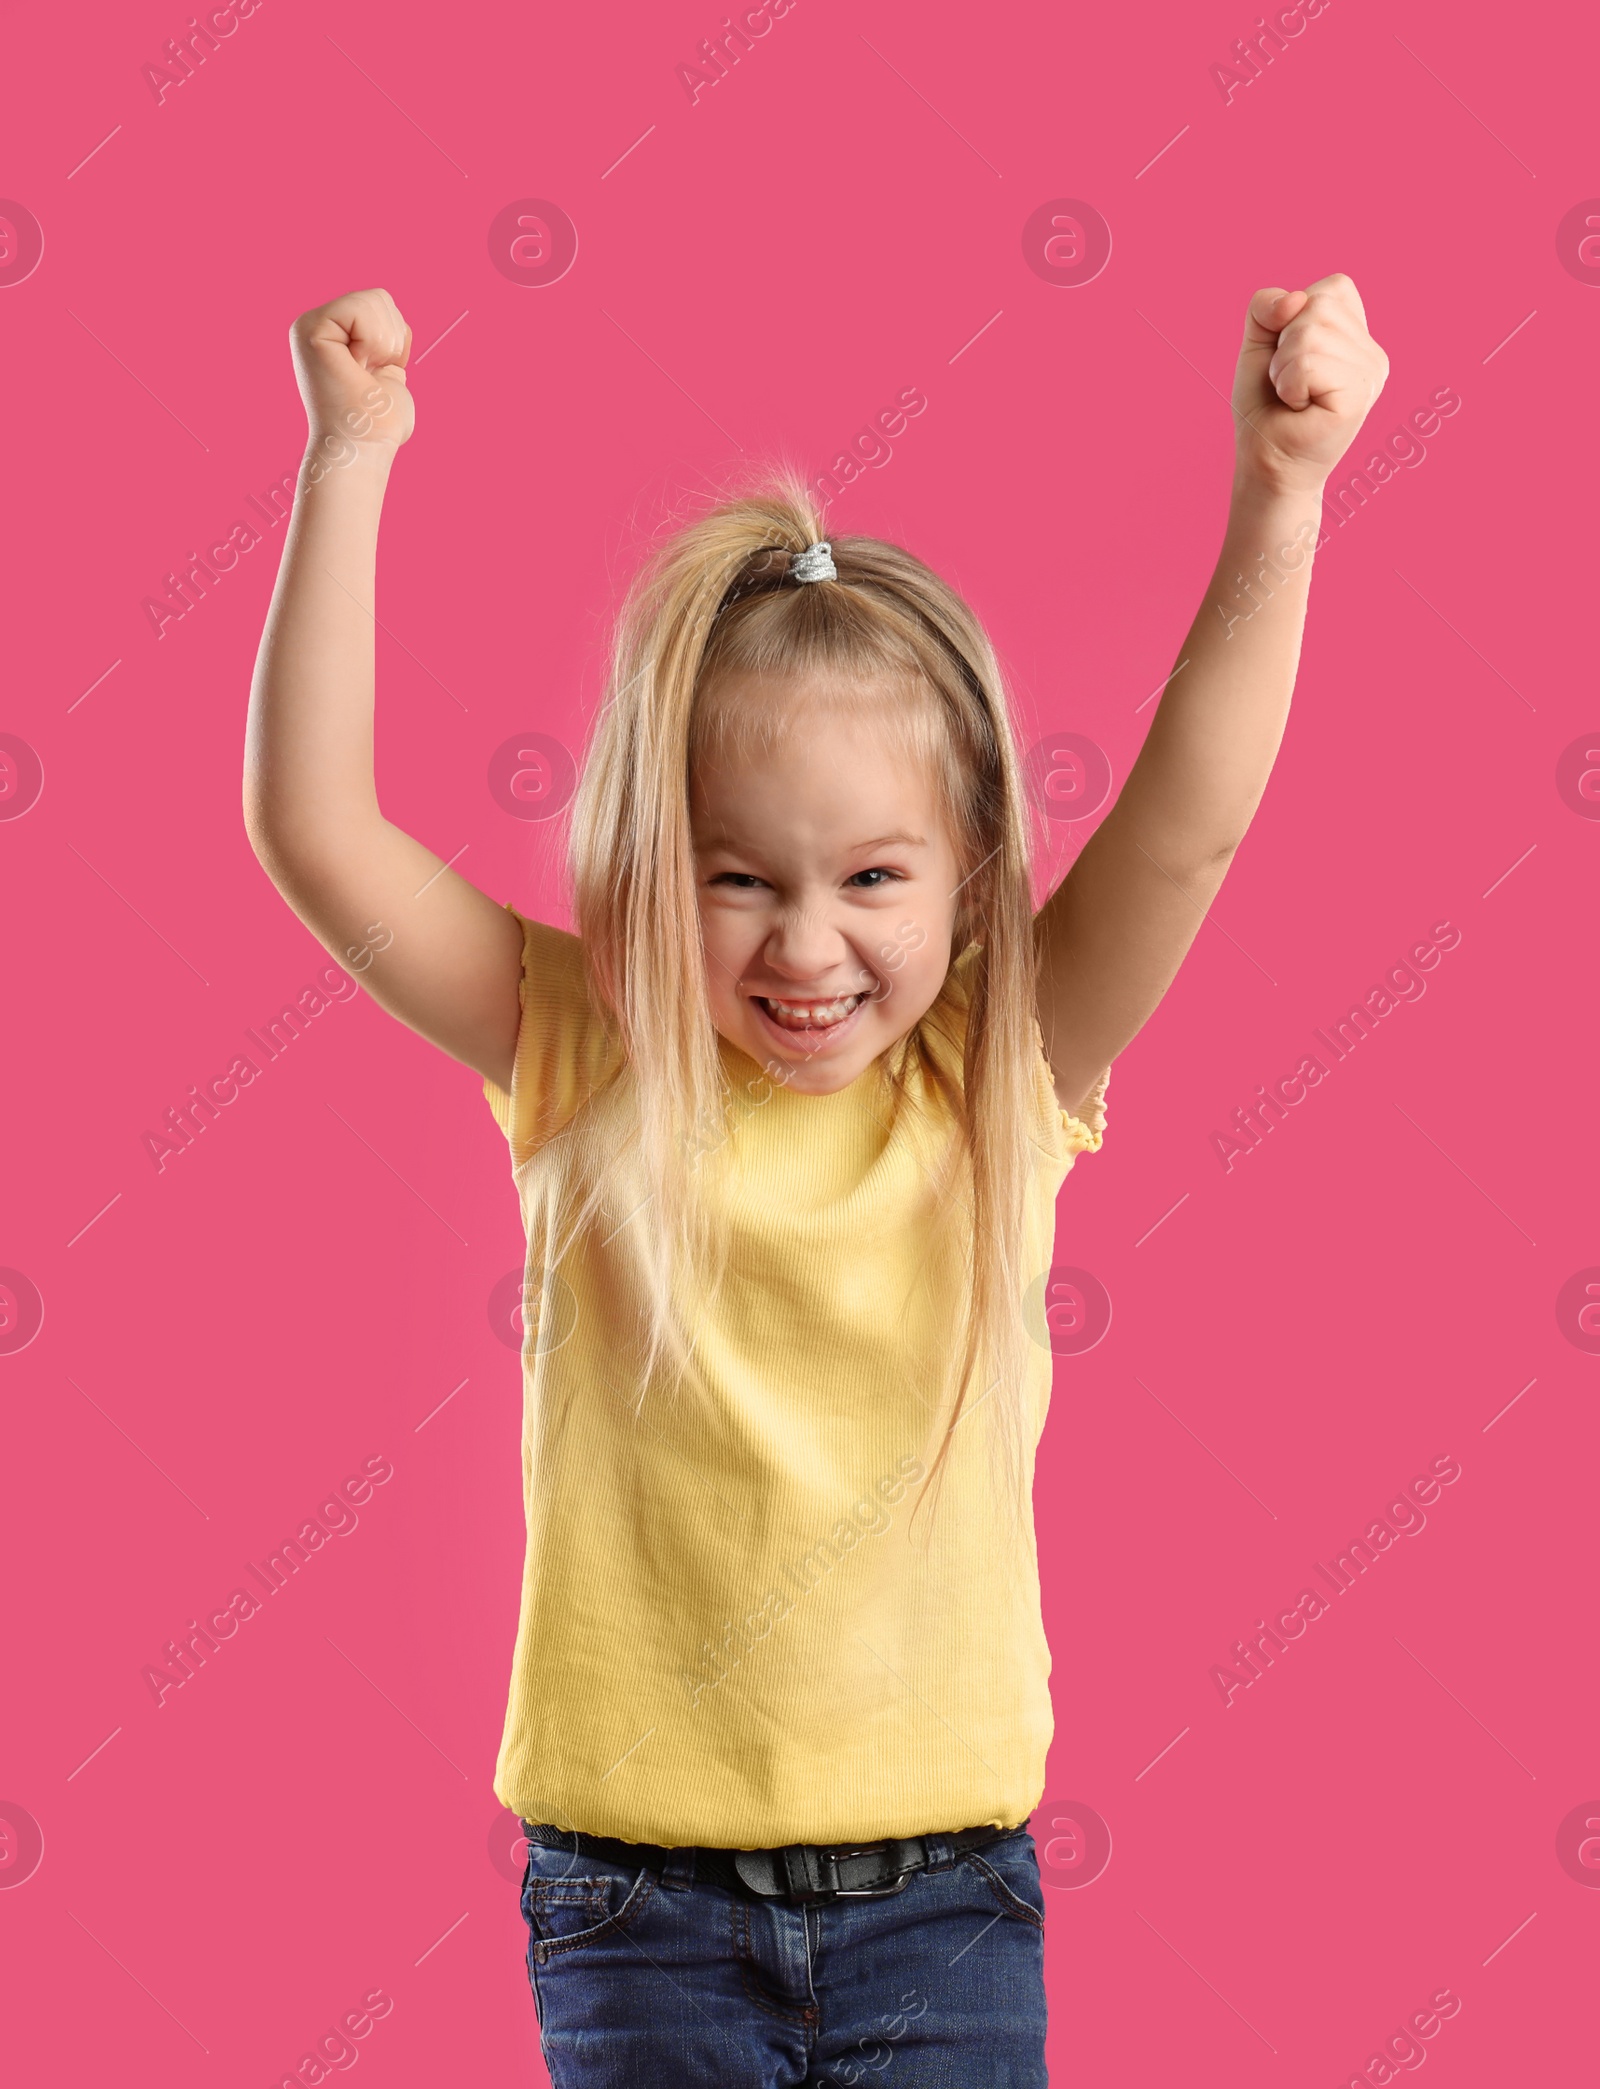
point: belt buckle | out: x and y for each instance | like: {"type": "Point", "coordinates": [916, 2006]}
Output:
{"type": "Point", "coordinates": [766, 1873]}
{"type": "Point", "coordinates": [864, 1892]}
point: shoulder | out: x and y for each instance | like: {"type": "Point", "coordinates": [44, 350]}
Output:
{"type": "Point", "coordinates": [552, 958]}
{"type": "Point", "coordinates": [1061, 1130]}
{"type": "Point", "coordinates": [566, 1046]}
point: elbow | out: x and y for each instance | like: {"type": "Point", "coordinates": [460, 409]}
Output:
{"type": "Point", "coordinates": [250, 805]}
{"type": "Point", "coordinates": [292, 825]}
{"type": "Point", "coordinates": [257, 822]}
{"type": "Point", "coordinates": [1197, 867]}
{"type": "Point", "coordinates": [1199, 871]}
{"type": "Point", "coordinates": [270, 837]}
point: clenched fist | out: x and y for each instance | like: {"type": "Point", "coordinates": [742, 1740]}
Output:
{"type": "Point", "coordinates": [349, 359]}
{"type": "Point", "coordinates": [1308, 374]}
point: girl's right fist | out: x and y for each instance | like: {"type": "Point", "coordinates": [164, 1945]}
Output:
{"type": "Point", "coordinates": [350, 362]}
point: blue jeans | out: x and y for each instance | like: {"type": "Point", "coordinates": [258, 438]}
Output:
{"type": "Point", "coordinates": [658, 1980]}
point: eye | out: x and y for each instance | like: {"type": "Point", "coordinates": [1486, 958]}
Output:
{"type": "Point", "coordinates": [878, 875]}
{"type": "Point", "coordinates": [737, 880]}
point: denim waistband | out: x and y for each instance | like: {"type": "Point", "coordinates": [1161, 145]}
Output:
{"type": "Point", "coordinates": [810, 1870]}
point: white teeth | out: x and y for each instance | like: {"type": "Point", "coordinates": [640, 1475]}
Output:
{"type": "Point", "coordinates": [811, 1015]}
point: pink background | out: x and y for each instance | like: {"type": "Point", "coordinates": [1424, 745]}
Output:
{"type": "Point", "coordinates": [224, 1340]}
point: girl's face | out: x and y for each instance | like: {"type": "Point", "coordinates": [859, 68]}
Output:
{"type": "Point", "coordinates": [828, 891]}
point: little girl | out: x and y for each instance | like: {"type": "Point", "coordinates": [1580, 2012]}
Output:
{"type": "Point", "coordinates": [787, 1116]}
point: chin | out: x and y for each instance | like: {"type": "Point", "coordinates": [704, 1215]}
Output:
{"type": "Point", "coordinates": [828, 1079]}
{"type": "Point", "coordinates": [827, 1069]}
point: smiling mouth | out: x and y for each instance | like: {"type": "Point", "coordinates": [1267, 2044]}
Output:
{"type": "Point", "coordinates": [809, 1016]}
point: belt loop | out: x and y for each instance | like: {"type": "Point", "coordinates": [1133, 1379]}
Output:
{"type": "Point", "coordinates": [677, 1874]}
{"type": "Point", "coordinates": [802, 1870]}
{"type": "Point", "coordinates": [940, 1855]}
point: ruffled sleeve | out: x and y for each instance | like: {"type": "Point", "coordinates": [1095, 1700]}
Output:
{"type": "Point", "coordinates": [1086, 1128]}
{"type": "Point", "coordinates": [1064, 1134]}
{"type": "Point", "coordinates": [565, 1050]}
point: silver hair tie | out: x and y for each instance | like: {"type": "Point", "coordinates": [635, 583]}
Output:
{"type": "Point", "coordinates": [814, 563]}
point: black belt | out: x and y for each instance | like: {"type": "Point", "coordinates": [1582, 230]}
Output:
{"type": "Point", "coordinates": [804, 1871]}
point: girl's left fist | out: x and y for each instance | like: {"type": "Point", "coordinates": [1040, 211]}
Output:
{"type": "Point", "coordinates": [1307, 376]}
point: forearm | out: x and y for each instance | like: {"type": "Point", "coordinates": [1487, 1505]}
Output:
{"type": "Point", "coordinates": [1114, 932]}
{"type": "Point", "coordinates": [309, 737]}
{"type": "Point", "coordinates": [1194, 789]}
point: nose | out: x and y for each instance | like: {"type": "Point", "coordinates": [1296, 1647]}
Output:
{"type": "Point", "coordinates": [805, 948]}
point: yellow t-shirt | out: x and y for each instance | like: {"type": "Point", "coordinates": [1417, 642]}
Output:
{"type": "Point", "coordinates": [730, 1631]}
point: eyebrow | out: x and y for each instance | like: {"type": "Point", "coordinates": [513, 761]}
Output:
{"type": "Point", "coordinates": [735, 845]}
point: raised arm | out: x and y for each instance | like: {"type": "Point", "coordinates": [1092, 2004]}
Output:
{"type": "Point", "coordinates": [426, 944]}
{"type": "Point", "coordinates": [1113, 934]}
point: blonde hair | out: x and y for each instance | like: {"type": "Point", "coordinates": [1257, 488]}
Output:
{"type": "Point", "coordinates": [715, 602]}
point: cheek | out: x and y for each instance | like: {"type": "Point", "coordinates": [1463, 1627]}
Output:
{"type": "Point", "coordinates": [914, 983]}
{"type": "Point", "coordinates": [727, 942]}
{"type": "Point", "coordinates": [927, 969]}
